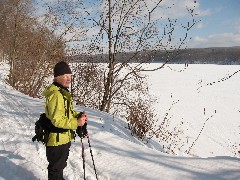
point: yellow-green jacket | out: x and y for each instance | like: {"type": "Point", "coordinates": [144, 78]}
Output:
{"type": "Point", "coordinates": [56, 110]}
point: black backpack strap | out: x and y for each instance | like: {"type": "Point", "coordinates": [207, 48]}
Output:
{"type": "Point", "coordinates": [68, 103]}
{"type": "Point", "coordinates": [66, 114]}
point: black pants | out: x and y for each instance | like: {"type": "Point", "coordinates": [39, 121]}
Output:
{"type": "Point", "coordinates": [57, 157]}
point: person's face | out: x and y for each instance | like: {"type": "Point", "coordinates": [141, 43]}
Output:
{"type": "Point", "coordinates": [65, 80]}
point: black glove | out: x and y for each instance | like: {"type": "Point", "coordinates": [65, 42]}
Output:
{"type": "Point", "coordinates": [82, 130]}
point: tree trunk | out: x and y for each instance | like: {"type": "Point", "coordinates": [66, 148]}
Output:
{"type": "Point", "coordinates": [109, 80]}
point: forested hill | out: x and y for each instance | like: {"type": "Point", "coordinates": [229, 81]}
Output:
{"type": "Point", "coordinates": [211, 55]}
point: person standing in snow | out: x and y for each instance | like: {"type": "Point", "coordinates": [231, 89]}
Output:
{"type": "Point", "coordinates": [59, 109]}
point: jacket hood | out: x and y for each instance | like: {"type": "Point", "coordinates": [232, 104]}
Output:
{"type": "Point", "coordinates": [53, 88]}
{"type": "Point", "coordinates": [49, 90]}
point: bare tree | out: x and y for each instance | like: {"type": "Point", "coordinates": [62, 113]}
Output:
{"type": "Point", "coordinates": [134, 35]}
{"type": "Point", "coordinates": [13, 16]}
{"type": "Point", "coordinates": [28, 48]}
{"type": "Point", "coordinates": [87, 84]}
{"type": "Point", "coordinates": [32, 43]}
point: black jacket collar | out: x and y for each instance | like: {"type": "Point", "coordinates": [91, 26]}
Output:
{"type": "Point", "coordinates": [60, 86]}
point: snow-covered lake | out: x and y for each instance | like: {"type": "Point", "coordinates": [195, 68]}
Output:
{"type": "Point", "coordinates": [207, 94]}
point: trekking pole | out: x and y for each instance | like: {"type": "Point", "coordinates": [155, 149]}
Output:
{"type": "Point", "coordinates": [84, 175]}
{"type": "Point", "coordinates": [90, 147]}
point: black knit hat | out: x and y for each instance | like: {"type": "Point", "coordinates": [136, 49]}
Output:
{"type": "Point", "coordinates": [61, 68]}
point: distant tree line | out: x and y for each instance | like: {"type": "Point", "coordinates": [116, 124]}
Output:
{"type": "Point", "coordinates": [211, 55]}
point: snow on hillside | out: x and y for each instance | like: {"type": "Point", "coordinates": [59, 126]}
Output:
{"type": "Point", "coordinates": [118, 155]}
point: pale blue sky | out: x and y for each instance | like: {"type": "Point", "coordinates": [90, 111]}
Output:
{"type": "Point", "coordinates": [219, 26]}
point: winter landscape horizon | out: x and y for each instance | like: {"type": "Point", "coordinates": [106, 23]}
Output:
{"type": "Point", "coordinates": [202, 100]}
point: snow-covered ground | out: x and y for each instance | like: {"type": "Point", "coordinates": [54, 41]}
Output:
{"type": "Point", "coordinates": [118, 155]}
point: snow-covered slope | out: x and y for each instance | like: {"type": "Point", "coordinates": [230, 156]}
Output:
{"type": "Point", "coordinates": [117, 155]}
